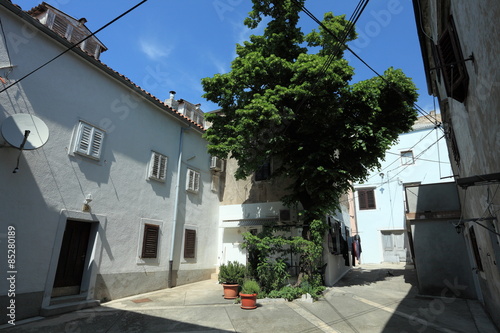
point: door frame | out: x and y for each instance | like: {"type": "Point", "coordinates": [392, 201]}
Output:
{"type": "Point", "coordinates": [92, 260]}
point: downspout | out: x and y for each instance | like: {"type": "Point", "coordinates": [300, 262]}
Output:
{"type": "Point", "coordinates": [176, 208]}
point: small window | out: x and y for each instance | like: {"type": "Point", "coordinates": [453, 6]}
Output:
{"type": "Point", "coordinates": [89, 141]}
{"type": "Point", "coordinates": [475, 249]}
{"type": "Point", "coordinates": [193, 181]}
{"type": "Point", "coordinates": [366, 199]}
{"type": "Point", "coordinates": [452, 63]}
{"type": "Point", "coordinates": [264, 172]}
{"type": "Point", "coordinates": [189, 244]}
{"type": "Point", "coordinates": [150, 241]}
{"type": "Point", "coordinates": [158, 167]}
{"type": "Point", "coordinates": [407, 157]}
{"type": "Point", "coordinates": [215, 183]}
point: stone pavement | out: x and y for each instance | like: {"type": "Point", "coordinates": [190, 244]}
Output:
{"type": "Point", "coordinates": [370, 298]}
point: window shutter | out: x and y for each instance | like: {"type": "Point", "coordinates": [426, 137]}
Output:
{"type": "Point", "coordinates": [362, 199]}
{"type": "Point", "coordinates": [150, 241]}
{"type": "Point", "coordinates": [196, 181]}
{"type": "Point", "coordinates": [193, 181]}
{"type": "Point", "coordinates": [370, 198]}
{"type": "Point", "coordinates": [452, 63]}
{"type": "Point", "coordinates": [60, 25]}
{"type": "Point", "coordinates": [95, 148]}
{"type": "Point", "coordinates": [158, 166]}
{"type": "Point", "coordinates": [84, 139]}
{"type": "Point", "coordinates": [189, 243]}
{"type": "Point", "coordinates": [366, 199]}
{"type": "Point", "coordinates": [89, 141]}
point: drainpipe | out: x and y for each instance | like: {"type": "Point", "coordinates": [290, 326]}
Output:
{"type": "Point", "coordinates": [176, 207]}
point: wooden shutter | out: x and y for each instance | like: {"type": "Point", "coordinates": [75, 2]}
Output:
{"type": "Point", "coordinates": [452, 63]}
{"type": "Point", "coordinates": [60, 25]}
{"type": "Point", "coordinates": [189, 243]}
{"type": "Point", "coordinates": [366, 199]}
{"type": "Point", "coordinates": [193, 181]}
{"type": "Point", "coordinates": [158, 166]}
{"type": "Point", "coordinates": [89, 141]}
{"type": "Point", "coordinates": [95, 148]}
{"type": "Point", "coordinates": [150, 241]}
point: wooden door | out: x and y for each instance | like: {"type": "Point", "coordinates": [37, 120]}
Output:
{"type": "Point", "coordinates": [394, 245]}
{"type": "Point", "coordinates": [72, 257]}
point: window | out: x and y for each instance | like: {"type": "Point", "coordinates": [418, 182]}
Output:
{"type": "Point", "coordinates": [475, 249]}
{"type": "Point", "coordinates": [189, 243]}
{"type": "Point", "coordinates": [264, 172]}
{"type": "Point", "coordinates": [150, 241]}
{"type": "Point", "coordinates": [407, 157]}
{"type": "Point", "coordinates": [193, 181]}
{"type": "Point", "coordinates": [366, 199]}
{"type": "Point", "coordinates": [158, 167]}
{"type": "Point", "coordinates": [89, 141]}
{"type": "Point", "coordinates": [452, 63]}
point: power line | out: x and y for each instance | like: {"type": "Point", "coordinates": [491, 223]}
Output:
{"type": "Point", "coordinates": [73, 46]}
{"type": "Point", "coordinates": [417, 107]}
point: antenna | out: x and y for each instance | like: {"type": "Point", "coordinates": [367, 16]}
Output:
{"type": "Point", "coordinates": [24, 132]}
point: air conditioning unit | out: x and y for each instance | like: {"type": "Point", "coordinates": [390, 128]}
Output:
{"type": "Point", "coordinates": [216, 164]}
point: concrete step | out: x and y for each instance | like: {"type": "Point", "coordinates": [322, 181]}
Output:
{"type": "Point", "coordinates": [57, 309]}
{"type": "Point", "coordinates": [68, 299]}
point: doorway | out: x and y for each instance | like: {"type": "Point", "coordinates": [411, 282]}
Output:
{"type": "Point", "coordinates": [394, 245]}
{"type": "Point", "coordinates": [72, 258]}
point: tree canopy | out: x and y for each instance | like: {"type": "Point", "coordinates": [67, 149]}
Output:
{"type": "Point", "coordinates": [289, 97]}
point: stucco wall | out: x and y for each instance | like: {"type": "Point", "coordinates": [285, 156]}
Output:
{"type": "Point", "coordinates": [475, 123]}
{"type": "Point", "coordinates": [52, 179]}
{"type": "Point", "coordinates": [431, 166]}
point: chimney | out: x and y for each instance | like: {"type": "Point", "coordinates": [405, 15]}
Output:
{"type": "Point", "coordinates": [171, 101]}
{"type": "Point", "coordinates": [433, 114]}
{"type": "Point", "coordinates": [82, 21]}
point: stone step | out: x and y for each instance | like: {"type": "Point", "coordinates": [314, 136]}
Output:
{"type": "Point", "coordinates": [57, 309]}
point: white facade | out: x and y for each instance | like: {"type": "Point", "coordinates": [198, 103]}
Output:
{"type": "Point", "coordinates": [53, 181]}
{"type": "Point", "coordinates": [381, 228]}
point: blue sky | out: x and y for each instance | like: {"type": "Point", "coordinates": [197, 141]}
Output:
{"type": "Point", "coordinates": [168, 45]}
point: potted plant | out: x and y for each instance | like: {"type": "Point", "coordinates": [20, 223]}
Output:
{"type": "Point", "coordinates": [248, 294]}
{"type": "Point", "coordinates": [231, 276]}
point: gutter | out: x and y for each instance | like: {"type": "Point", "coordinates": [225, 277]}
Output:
{"type": "Point", "coordinates": [176, 208]}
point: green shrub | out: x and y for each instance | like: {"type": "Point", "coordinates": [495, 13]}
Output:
{"type": "Point", "coordinates": [232, 273]}
{"type": "Point", "coordinates": [250, 287]}
{"type": "Point", "coordinates": [288, 292]}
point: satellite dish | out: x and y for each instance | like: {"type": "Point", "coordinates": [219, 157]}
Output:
{"type": "Point", "coordinates": [25, 131]}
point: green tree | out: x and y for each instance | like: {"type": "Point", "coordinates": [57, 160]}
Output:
{"type": "Point", "coordinates": [282, 100]}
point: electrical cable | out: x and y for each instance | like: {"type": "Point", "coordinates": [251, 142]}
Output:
{"type": "Point", "coordinates": [418, 108]}
{"type": "Point", "coordinates": [73, 46]}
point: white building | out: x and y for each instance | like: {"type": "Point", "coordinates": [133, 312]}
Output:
{"type": "Point", "coordinates": [419, 157]}
{"type": "Point", "coordinates": [251, 204]}
{"type": "Point", "coordinates": [116, 199]}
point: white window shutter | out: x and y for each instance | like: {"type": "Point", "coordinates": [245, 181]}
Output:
{"type": "Point", "coordinates": [196, 181]}
{"type": "Point", "coordinates": [84, 138]}
{"type": "Point", "coordinates": [89, 141]}
{"type": "Point", "coordinates": [96, 147]}
{"type": "Point", "coordinates": [193, 181]}
{"type": "Point", "coordinates": [158, 166]}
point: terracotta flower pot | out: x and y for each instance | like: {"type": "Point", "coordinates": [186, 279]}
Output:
{"type": "Point", "coordinates": [230, 290]}
{"type": "Point", "coordinates": [248, 301]}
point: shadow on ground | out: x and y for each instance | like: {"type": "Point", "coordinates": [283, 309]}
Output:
{"type": "Point", "coordinates": [111, 321]}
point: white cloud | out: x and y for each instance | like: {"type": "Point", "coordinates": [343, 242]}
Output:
{"type": "Point", "coordinates": [154, 50]}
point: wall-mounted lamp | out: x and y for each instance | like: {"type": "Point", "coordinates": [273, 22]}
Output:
{"type": "Point", "coordinates": [86, 207]}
